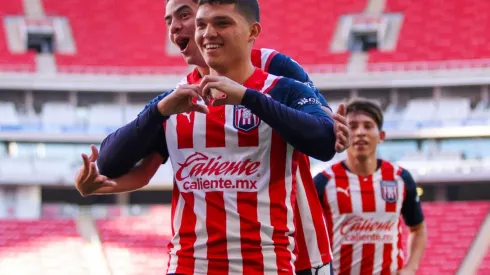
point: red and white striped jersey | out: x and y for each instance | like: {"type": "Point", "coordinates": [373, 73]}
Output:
{"type": "Point", "coordinates": [313, 245]}
{"type": "Point", "coordinates": [364, 216]}
{"type": "Point", "coordinates": [233, 199]}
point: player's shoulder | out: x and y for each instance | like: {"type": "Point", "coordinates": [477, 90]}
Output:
{"type": "Point", "coordinates": [400, 173]}
{"type": "Point", "coordinates": [331, 172]}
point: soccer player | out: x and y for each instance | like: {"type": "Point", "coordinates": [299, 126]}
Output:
{"type": "Point", "coordinates": [314, 249]}
{"type": "Point", "coordinates": [364, 199]}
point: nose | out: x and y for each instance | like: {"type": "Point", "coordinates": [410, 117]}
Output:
{"type": "Point", "coordinates": [175, 26]}
{"type": "Point", "coordinates": [209, 32]}
{"type": "Point", "coordinates": [359, 131]}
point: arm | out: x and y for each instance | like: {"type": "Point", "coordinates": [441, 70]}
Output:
{"type": "Point", "coordinates": [321, 181]}
{"type": "Point", "coordinates": [290, 109]}
{"type": "Point", "coordinates": [121, 150]}
{"type": "Point", "coordinates": [137, 178]}
{"type": "Point", "coordinates": [414, 219]}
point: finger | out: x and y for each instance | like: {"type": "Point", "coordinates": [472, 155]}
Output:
{"type": "Point", "coordinates": [341, 109]}
{"type": "Point", "coordinates": [200, 108]}
{"type": "Point", "coordinates": [85, 168]}
{"type": "Point", "coordinates": [93, 174]}
{"type": "Point", "coordinates": [344, 129]}
{"type": "Point", "coordinates": [95, 154]}
{"type": "Point", "coordinates": [212, 85]}
{"type": "Point", "coordinates": [104, 181]}
{"type": "Point", "coordinates": [220, 101]}
{"type": "Point", "coordinates": [340, 118]}
{"type": "Point", "coordinates": [341, 139]}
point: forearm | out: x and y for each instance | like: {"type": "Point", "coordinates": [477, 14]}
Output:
{"type": "Point", "coordinates": [417, 241]}
{"type": "Point", "coordinates": [309, 133]}
{"type": "Point", "coordinates": [137, 178]}
{"type": "Point", "coordinates": [121, 150]}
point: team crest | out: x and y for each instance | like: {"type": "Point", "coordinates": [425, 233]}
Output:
{"type": "Point", "coordinates": [244, 120]}
{"type": "Point", "coordinates": [389, 191]}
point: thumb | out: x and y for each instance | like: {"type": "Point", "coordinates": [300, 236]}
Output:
{"type": "Point", "coordinates": [341, 109]}
{"type": "Point", "coordinates": [220, 101]}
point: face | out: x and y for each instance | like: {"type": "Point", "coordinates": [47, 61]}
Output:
{"type": "Point", "coordinates": [224, 36]}
{"type": "Point", "coordinates": [365, 136]}
{"type": "Point", "coordinates": [180, 18]}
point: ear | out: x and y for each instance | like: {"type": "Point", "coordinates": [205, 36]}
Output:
{"type": "Point", "coordinates": [255, 30]}
{"type": "Point", "coordinates": [382, 136]}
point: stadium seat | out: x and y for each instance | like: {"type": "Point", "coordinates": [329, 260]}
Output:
{"type": "Point", "coordinates": [418, 113]}
{"type": "Point", "coordinates": [9, 115]}
{"type": "Point", "coordinates": [13, 62]}
{"type": "Point", "coordinates": [443, 254]}
{"type": "Point", "coordinates": [395, 150]}
{"type": "Point", "coordinates": [452, 111]}
{"type": "Point", "coordinates": [57, 114]}
{"type": "Point", "coordinates": [41, 247]}
{"type": "Point", "coordinates": [484, 268]}
{"type": "Point", "coordinates": [134, 242]}
{"type": "Point", "coordinates": [105, 117]}
{"type": "Point", "coordinates": [432, 31]}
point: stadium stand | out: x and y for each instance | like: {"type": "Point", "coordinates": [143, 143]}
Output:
{"type": "Point", "coordinates": [308, 40]}
{"type": "Point", "coordinates": [432, 31]}
{"type": "Point", "coordinates": [137, 40]}
{"type": "Point", "coordinates": [9, 62]}
{"type": "Point", "coordinates": [485, 265]}
{"type": "Point", "coordinates": [131, 243]}
{"type": "Point", "coordinates": [41, 247]}
{"type": "Point", "coordinates": [449, 235]}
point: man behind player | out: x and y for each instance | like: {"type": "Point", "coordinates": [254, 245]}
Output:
{"type": "Point", "coordinates": [364, 199]}
{"type": "Point", "coordinates": [314, 250]}
{"type": "Point", "coordinates": [286, 121]}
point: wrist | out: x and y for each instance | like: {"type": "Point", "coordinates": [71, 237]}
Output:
{"type": "Point", "coordinates": [411, 267]}
{"type": "Point", "coordinates": [161, 106]}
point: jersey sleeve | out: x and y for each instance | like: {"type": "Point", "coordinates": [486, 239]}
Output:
{"type": "Point", "coordinates": [411, 208]}
{"type": "Point", "coordinates": [282, 65]}
{"type": "Point", "coordinates": [321, 181]}
{"type": "Point", "coordinates": [125, 147]}
{"type": "Point", "coordinates": [290, 107]}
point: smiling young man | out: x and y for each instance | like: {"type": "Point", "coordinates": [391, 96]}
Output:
{"type": "Point", "coordinates": [314, 250]}
{"type": "Point", "coordinates": [364, 199]}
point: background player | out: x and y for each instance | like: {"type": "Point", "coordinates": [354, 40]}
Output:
{"type": "Point", "coordinates": [364, 199]}
{"type": "Point", "coordinates": [180, 15]}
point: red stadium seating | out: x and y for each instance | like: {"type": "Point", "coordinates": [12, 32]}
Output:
{"type": "Point", "coordinates": [41, 247]}
{"type": "Point", "coordinates": [452, 228]}
{"type": "Point", "coordinates": [304, 29]}
{"type": "Point", "coordinates": [439, 31]}
{"type": "Point", "coordinates": [9, 61]}
{"type": "Point", "coordinates": [135, 242]}
{"type": "Point", "coordinates": [115, 33]}
{"type": "Point", "coordinates": [111, 33]}
{"type": "Point", "coordinates": [484, 268]}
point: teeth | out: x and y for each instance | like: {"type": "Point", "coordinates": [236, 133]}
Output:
{"type": "Point", "coordinates": [212, 46]}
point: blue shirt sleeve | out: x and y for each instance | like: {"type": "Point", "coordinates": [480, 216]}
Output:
{"type": "Point", "coordinates": [411, 208]}
{"type": "Point", "coordinates": [291, 107]}
{"type": "Point", "coordinates": [125, 147]}
{"type": "Point", "coordinates": [282, 65]}
{"type": "Point", "coordinates": [321, 182]}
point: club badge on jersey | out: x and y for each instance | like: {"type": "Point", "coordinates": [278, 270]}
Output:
{"type": "Point", "coordinates": [389, 191]}
{"type": "Point", "coordinates": [244, 119]}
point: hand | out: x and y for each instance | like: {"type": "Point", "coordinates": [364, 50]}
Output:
{"type": "Point", "coordinates": [406, 271]}
{"type": "Point", "coordinates": [342, 131]}
{"type": "Point", "coordinates": [88, 180]}
{"type": "Point", "coordinates": [182, 101]}
{"type": "Point", "coordinates": [232, 92]}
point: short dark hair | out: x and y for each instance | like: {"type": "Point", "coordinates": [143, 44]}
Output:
{"type": "Point", "coordinates": [250, 9]}
{"type": "Point", "coordinates": [195, 1]}
{"type": "Point", "coordinates": [368, 107]}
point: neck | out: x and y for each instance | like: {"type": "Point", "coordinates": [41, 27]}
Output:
{"type": "Point", "coordinates": [203, 70]}
{"type": "Point", "coordinates": [362, 166]}
{"type": "Point", "coordinates": [238, 72]}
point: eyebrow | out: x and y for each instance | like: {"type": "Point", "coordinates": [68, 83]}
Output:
{"type": "Point", "coordinates": [183, 7]}
{"type": "Point", "coordinates": [216, 18]}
